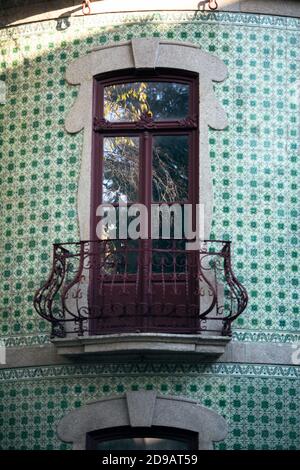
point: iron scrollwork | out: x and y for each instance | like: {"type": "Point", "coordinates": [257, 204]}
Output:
{"type": "Point", "coordinates": [182, 290]}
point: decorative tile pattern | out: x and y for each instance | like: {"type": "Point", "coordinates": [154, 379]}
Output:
{"type": "Point", "coordinates": [260, 403]}
{"type": "Point", "coordinates": [254, 162]}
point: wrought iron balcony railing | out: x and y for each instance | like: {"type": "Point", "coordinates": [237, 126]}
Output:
{"type": "Point", "coordinates": [113, 286]}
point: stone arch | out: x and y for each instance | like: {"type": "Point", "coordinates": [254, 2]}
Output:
{"type": "Point", "coordinates": [143, 409]}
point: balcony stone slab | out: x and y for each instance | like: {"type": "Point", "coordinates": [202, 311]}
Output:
{"type": "Point", "coordinates": [145, 344]}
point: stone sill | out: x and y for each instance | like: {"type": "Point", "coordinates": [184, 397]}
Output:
{"type": "Point", "coordinates": [142, 343]}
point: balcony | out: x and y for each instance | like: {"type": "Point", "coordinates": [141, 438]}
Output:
{"type": "Point", "coordinates": [115, 295]}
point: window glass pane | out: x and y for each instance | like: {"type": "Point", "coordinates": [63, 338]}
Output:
{"type": "Point", "coordinates": [120, 169]}
{"type": "Point", "coordinates": [161, 100]}
{"type": "Point", "coordinates": [142, 443]}
{"type": "Point", "coordinates": [170, 168]}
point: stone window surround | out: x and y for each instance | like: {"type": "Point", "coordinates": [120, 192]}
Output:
{"type": "Point", "coordinates": [143, 409]}
{"type": "Point", "coordinates": [145, 54]}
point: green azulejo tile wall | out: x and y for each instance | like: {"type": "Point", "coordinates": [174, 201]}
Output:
{"type": "Point", "coordinates": [254, 161]}
{"type": "Point", "coordinates": [260, 403]}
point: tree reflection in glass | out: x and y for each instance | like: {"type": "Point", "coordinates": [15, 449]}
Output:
{"type": "Point", "coordinates": [170, 168]}
{"type": "Point", "coordinates": [120, 169]}
{"type": "Point", "coordinates": [161, 100]}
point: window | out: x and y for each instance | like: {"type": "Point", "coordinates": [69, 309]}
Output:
{"type": "Point", "coordinates": [153, 438]}
{"type": "Point", "coordinates": [145, 151]}
{"type": "Point", "coordinates": [144, 148]}
{"type": "Point", "coordinates": [145, 140]}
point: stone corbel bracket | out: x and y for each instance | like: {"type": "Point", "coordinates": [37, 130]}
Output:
{"type": "Point", "coordinates": [145, 54]}
{"type": "Point", "coordinates": [143, 409]}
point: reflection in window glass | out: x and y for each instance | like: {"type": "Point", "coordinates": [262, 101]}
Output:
{"type": "Point", "coordinates": [142, 443]}
{"type": "Point", "coordinates": [118, 257]}
{"type": "Point", "coordinates": [170, 168]}
{"type": "Point", "coordinates": [161, 100]}
{"type": "Point", "coordinates": [120, 169]}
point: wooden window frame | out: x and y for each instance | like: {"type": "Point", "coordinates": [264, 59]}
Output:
{"type": "Point", "coordinates": [146, 128]}
{"type": "Point", "coordinates": [102, 128]}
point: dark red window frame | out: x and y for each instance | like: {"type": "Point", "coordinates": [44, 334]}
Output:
{"type": "Point", "coordinates": [103, 128]}
{"type": "Point", "coordinates": [146, 127]}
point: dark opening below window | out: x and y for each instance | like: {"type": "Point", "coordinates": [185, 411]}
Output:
{"type": "Point", "coordinates": [153, 438]}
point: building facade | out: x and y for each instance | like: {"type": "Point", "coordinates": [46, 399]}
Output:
{"type": "Point", "coordinates": [243, 384]}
